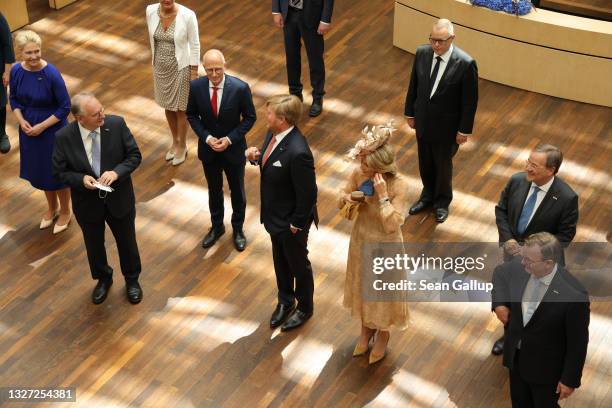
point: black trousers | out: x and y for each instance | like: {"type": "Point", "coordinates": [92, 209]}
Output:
{"type": "Point", "coordinates": [3, 120]}
{"type": "Point", "coordinates": [294, 278]}
{"type": "Point", "coordinates": [436, 168]}
{"type": "Point", "coordinates": [235, 179]}
{"type": "Point", "coordinates": [529, 395]}
{"type": "Point", "coordinates": [124, 231]}
{"type": "Point", "coordinates": [295, 30]}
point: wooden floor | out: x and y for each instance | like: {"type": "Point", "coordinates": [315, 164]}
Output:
{"type": "Point", "coordinates": [200, 338]}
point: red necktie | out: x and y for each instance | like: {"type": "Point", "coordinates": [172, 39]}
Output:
{"type": "Point", "coordinates": [213, 101]}
{"type": "Point", "coordinates": [268, 151]}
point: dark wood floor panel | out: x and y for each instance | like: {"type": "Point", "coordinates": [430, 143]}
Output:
{"type": "Point", "coordinates": [200, 337]}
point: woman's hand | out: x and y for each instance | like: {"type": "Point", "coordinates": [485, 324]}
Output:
{"type": "Point", "coordinates": [26, 127]}
{"type": "Point", "coordinates": [37, 129]}
{"type": "Point", "coordinates": [380, 186]}
{"type": "Point", "coordinates": [348, 199]}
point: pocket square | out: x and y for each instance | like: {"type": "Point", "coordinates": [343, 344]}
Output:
{"type": "Point", "coordinates": [277, 164]}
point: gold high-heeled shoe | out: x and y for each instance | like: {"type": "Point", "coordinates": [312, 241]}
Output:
{"type": "Point", "coordinates": [44, 224]}
{"type": "Point", "coordinates": [361, 350]}
{"type": "Point", "coordinates": [60, 228]}
{"type": "Point", "coordinates": [375, 358]}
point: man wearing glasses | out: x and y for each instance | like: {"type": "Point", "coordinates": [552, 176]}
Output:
{"type": "Point", "coordinates": [440, 105]}
{"type": "Point", "coordinates": [536, 200]}
{"type": "Point", "coordinates": [546, 314]}
{"type": "Point", "coordinates": [95, 155]}
{"type": "Point", "coordinates": [221, 112]}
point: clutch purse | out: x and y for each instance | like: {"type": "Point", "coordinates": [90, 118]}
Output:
{"type": "Point", "coordinates": [349, 210]}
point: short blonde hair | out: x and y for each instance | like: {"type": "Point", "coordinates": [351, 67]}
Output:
{"type": "Point", "coordinates": [287, 106]}
{"type": "Point", "coordinates": [382, 160]}
{"type": "Point", "coordinates": [24, 37]}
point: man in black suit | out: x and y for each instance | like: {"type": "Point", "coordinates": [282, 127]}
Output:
{"type": "Point", "coordinates": [307, 20]}
{"type": "Point", "coordinates": [7, 57]}
{"type": "Point", "coordinates": [535, 201]}
{"type": "Point", "coordinates": [221, 112]}
{"type": "Point", "coordinates": [546, 314]}
{"type": "Point", "coordinates": [93, 153]}
{"type": "Point", "coordinates": [288, 208]}
{"type": "Point", "coordinates": [440, 105]}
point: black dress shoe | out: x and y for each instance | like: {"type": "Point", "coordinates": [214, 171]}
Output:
{"type": "Point", "coordinates": [418, 207]}
{"type": "Point", "coordinates": [212, 237]}
{"type": "Point", "coordinates": [498, 347]}
{"type": "Point", "coordinates": [134, 292]}
{"type": "Point", "coordinates": [5, 143]}
{"type": "Point", "coordinates": [280, 314]}
{"type": "Point", "coordinates": [101, 291]}
{"type": "Point", "coordinates": [441, 214]}
{"type": "Point", "coordinates": [299, 95]}
{"type": "Point", "coordinates": [297, 319]}
{"type": "Point", "coordinates": [316, 108]}
{"type": "Point", "coordinates": [239, 240]}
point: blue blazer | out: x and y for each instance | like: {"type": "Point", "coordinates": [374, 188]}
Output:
{"type": "Point", "coordinates": [236, 117]}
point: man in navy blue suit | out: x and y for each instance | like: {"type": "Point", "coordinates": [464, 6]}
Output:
{"type": "Point", "coordinates": [221, 112]}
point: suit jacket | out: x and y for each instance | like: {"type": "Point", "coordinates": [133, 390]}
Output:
{"type": "Point", "coordinates": [557, 213]}
{"type": "Point", "coordinates": [289, 188]}
{"type": "Point", "coordinates": [118, 152]}
{"type": "Point", "coordinates": [554, 341]}
{"type": "Point", "coordinates": [313, 12]}
{"type": "Point", "coordinates": [7, 56]}
{"type": "Point", "coordinates": [452, 107]}
{"type": "Point", "coordinates": [236, 117]}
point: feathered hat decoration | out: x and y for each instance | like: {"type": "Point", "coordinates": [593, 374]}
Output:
{"type": "Point", "coordinates": [372, 138]}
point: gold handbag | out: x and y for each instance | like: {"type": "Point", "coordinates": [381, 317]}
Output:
{"type": "Point", "coordinates": [349, 210]}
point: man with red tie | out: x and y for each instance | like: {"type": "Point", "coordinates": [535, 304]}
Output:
{"type": "Point", "coordinates": [221, 112]}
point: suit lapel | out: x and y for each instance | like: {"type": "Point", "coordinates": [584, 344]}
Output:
{"type": "Point", "coordinates": [551, 297]}
{"type": "Point", "coordinates": [518, 290]}
{"type": "Point", "coordinates": [428, 65]}
{"type": "Point", "coordinates": [547, 203]}
{"type": "Point", "coordinates": [451, 66]}
{"type": "Point", "coordinates": [207, 105]}
{"type": "Point", "coordinates": [105, 145]}
{"type": "Point", "coordinates": [227, 89]}
{"type": "Point", "coordinates": [77, 141]}
{"type": "Point", "coordinates": [280, 148]}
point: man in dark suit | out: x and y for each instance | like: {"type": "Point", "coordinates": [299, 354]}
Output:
{"type": "Point", "coordinates": [288, 208]}
{"type": "Point", "coordinates": [546, 314]}
{"type": "Point", "coordinates": [440, 105]}
{"type": "Point", "coordinates": [7, 57]}
{"type": "Point", "coordinates": [91, 154]}
{"type": "Point", "coordinates": [221, 112]}
{"type": "Point", "coordinates": [307, 20]}
{"type": "Point", "coordinates": [535, 201]}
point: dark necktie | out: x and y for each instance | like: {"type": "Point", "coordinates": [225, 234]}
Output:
{"type": "Point", "coordinates": [527, 211]}
{"type": "Point", "coordinates": [298, 4]}
{"type": "Point", "coordinates": [213, 101]}
{"type": "Point", "coordinates": [268, 151]}
{"type": "Point", "coordinates": [434, 74]}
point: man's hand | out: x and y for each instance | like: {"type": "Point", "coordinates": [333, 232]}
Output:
{"type": "Point", "coordinates": [5, 78]}
{"type": "Point", "coordinates": [461, 139]}
{"type": "Point", "coordinates": [293, 229]}
{"type": "Point", "coordinates": [221, 145]}
{"type": "Point", "coordinates": [252, 154]}
{"type": "Point", "coordinates": [88, 182]}
{"type": "Point", "coordinates": [503, 314]}
{"type": "Point", "coordinates": [278, 20]}
{"type": "Point", "coordinates": [410, 122]}
{"type": "Point", "coordinates": [564, 391]}
{"type": "Point", "coordinates": [108, 177]}
{"type": "Point", "coordinates": [512, 247]}
{"type": "Point", "coordinates": [323, 28]}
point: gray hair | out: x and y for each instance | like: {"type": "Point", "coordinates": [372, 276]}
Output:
{"type": "Point", "coordinates": [550, 248]}
{"type": "Point", "coordinates": [445, 23]}
{"type": "Point", "coordinates": [24, 37]}
{"type": "Point", "coordinates": [554, 156]}
{"type": "Point", "coordinates": [77, 102]}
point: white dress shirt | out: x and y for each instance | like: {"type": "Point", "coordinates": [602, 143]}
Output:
{"type": "Point", "coordinates": [443, 63]}
{"type": "Point", "coordinates": [87, 141]}
{"type": "Point", "coordinates": [540, 197]}
{"type": "Point", "coordinates": [544, 284]}
{"type": "Point", "coordinates": [280, 137]}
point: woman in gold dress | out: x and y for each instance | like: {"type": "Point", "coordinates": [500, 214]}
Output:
{"type": "Point", "coordinates": [379, 218]}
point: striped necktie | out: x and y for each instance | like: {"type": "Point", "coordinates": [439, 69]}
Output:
{"type": "Point", "coordinates": [95, 152]}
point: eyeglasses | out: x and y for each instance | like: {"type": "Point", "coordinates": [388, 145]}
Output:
{"type": "Point", "coordinates": [530, 262]}
{"type": "Point", "coordinates": [434, 41]}
{"type": "Point", "coordinates": [531, 164]}
{"type": "Point", "coordinates": [213, 70]}
{"type": "Point", "coordinates": [98, 113]}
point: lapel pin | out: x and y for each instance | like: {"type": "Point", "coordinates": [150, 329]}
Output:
{"type": "Point", "coordinates": [106, 129]}
{"type": "Point", "coordinates": [555, 291]}
{"type": "Point", "coordinates": [554, 197]}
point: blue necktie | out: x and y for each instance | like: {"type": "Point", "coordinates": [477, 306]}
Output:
{"type": "Point", "coordinates": [527, 211]}
{"type": "Point", "coordinates": [95, 153]}
{"type": "Point", "coordinates": [532, 300]}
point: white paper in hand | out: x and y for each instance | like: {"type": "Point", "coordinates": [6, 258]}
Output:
{"type": "Point", "coordinates": [103, 187]}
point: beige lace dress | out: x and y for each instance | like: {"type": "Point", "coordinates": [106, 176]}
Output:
{"type": "Point", "coordinates": [375, 224]}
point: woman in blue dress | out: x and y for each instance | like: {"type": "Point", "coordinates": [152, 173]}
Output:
{"type": "Point", "coordinates": [41, 104]}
